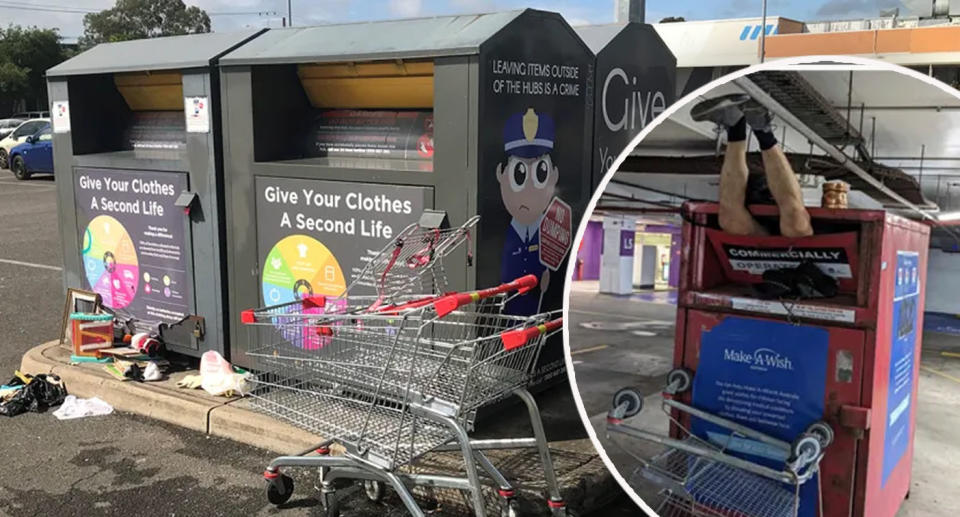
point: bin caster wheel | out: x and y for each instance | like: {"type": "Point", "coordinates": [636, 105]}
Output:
{"type": "Point", "coordinates": [631, 397]}
{"type": "Point", "coordinates": [680, 380]}
{"type": "Point", "coordinates": [510, 508]}
{"type": "Point", "coordinates": [807, 446]}
{"type": "Point", "coordinates": [279, 489]}
{"type": "Point", "coordinates": [373, 489]}
{"type": "Point", "coordinates": [823, 432]}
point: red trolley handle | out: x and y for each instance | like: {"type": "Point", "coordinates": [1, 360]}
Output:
{"type": "Point", "coordinates": [513, 339]}
{"type": "Point", "coordinates": [451, 302]}
{"type": "Point", "coordinates": [314, 301]}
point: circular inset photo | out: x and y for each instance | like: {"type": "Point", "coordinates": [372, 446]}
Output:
{"type": "Point", "coordinates": [746, 310]}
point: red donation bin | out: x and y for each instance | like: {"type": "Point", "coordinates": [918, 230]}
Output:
{"type": "Point", "coordinates": [778, 365]}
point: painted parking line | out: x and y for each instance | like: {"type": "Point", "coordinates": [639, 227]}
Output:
{"type": "Point", "coordinates": [30, 264]}
{"type": "Point", "coordinates": [941, 374]}
{"type": "Point", "coordinates": [589, 349]}
{"type": "Point", "coordinates": [6, 192]}
{"type": "Point", "coordinates": [611, 314]}
{"type": "Point", "coordinates": [19, 183]}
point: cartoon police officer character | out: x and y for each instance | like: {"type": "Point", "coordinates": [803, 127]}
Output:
{"type": "Point", "coordinates": [527, 183]}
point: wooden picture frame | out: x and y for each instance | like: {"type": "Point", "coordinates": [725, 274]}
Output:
{"type": "Point", "coordinates": [77, 300]}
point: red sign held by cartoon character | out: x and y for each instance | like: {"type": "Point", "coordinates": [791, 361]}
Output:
{"type": "Point", "coordinates": [556, 233]}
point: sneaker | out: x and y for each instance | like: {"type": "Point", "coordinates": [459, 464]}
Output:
{"type": "Point", "coordinates": [759, 118]}
{"type": "Point", "coordinates": [724, 110]}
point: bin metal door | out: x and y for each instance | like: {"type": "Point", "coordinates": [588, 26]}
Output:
{"type": "Point", "coordinates": [778, 378]}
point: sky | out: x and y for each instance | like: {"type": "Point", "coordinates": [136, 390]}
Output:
{"type": "Point", "coordinates": [67, 16]}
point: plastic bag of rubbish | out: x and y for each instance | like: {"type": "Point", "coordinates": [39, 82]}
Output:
{"type": "Point", "coordinates": [73, 407]}
{"type": "Point", "coordinates": [41, 392]}
{"type": "Point", "coordinates": [218, 378]}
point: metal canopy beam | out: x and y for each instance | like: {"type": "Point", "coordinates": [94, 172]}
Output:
{"type": "Point", "coordinates": [895, 180]}
{"type": "Point", "coordinates": [761, 96]}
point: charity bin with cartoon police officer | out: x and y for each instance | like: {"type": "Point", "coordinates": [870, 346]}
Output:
{"type": "Point", "coordinates": [341, 135]}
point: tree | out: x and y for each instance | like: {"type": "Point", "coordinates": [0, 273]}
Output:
{"type": "Point", "coordinates": [25, 55]}
{"type": "Point", "coordinates": [673, 19]}
{"type": "Point", "coordinates": [138, 19]}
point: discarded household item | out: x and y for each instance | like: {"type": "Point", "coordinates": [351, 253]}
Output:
{"type": "Point", "coordinates": [218, 378]}
{"type": "Point", "coordinates": [145, 343]}
{"type": "Point", "coordinates": [468, 114]}
{"type": "Point", "coordinates": [711, 476]}
{"type": "Point", "coordinates": [396, 374]}
{"type": "Point", "coordinates": [140, 182]}
{"type": "Point", "coordinates": [835, 194]}
{"type": "Point", "coordinates": [73, 407]}
{"type": "Point", "coordinates": [38, 393]}
{"type": "Point", "coordinates": [152, 372]}
{"type": "Point", "coordinates": [91, 332]}
{"type": "Point", "coordinates": [851, 360]}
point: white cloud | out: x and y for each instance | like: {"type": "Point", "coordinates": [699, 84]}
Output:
{"type": "Point", "coordinates": [406, 8]}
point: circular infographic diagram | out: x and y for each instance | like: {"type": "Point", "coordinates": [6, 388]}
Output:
{"type": "Point", "coordinates": [110, 261]}
{"type": "Point", "coordinates": [300, 266]}
{"type": "Point", "coordinates": [296, 267]}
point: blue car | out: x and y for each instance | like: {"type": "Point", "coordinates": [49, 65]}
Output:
{"type": "Point", "coordinates": [34, 155]}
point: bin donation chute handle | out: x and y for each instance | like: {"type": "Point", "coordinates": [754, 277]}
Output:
{"type": "Point", "coordinates": [451, 302]}
{"type": "Point", "coordinates": [517, 338]}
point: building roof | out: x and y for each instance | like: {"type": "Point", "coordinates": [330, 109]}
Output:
{"type": "Point", "coordinates": [389, 39]}
{"type": "Point", "coordinates": [167, 53]}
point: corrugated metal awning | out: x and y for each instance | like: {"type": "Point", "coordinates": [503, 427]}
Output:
{"type": "Point", "coordinates": [167, 53]}
{"type": "Point", "coordinates": [390, 39]}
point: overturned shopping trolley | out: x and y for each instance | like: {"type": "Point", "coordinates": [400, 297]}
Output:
{"type": "Point", "coordinates": [711, 476]}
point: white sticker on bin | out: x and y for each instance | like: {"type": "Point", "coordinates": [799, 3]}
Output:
{"type": "Point", "coordinates": [800, 310]}
{"type": "Point", "coordinates": [61, 116]}
{"type": "Point", "coordinates": [197, 112]}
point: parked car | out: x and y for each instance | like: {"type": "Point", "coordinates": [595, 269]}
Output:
{"type": "Point", "coordinates": [24, 115]}
{"type": "Point", "coordinates": [7, 125]}
{"type": "Point", "coordinates": [33, 155]}
{"type": "Point", "coordinates": [18, 136]}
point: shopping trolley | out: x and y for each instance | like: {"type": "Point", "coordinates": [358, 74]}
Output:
{"type": "Point", "coordinates": [702, 477]}
{"type": "Point", "coordinates": [392, 376]}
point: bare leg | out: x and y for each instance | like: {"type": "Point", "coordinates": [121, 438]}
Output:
{"type": "Point", "coordinates": [734, 216]}
{"type": "Point", "coordinates": [794, 219]}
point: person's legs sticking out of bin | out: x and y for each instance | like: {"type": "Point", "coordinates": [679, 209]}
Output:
{"type": "Point", "coordinates": [734, 113]}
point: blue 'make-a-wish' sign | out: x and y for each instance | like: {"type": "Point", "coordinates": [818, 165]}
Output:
{"type": "Point", "coordinates": [769, 376]}
{"type": "Point", "coordinates": [903, 339]}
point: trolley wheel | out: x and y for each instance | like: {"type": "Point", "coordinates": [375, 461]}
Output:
{"type": "Point", "coordinates": [823, 432]}
{"type": "Point", "coordinates": [631, 397]}
{"type": "Point", "coordinates": [373, 489]}
{"type": "Point", "coordinates": [808, 445]}
{"type": "Point", "coordinates": [279, 489]}
{"type": "Point", "coordinates": [510, 507]}
{"type": "Point", "coordinates": [682, 377]}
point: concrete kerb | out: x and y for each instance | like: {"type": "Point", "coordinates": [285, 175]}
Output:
{"type": "Point", "coordinates": [585, 482]}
